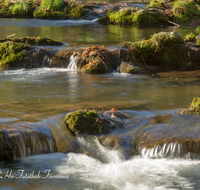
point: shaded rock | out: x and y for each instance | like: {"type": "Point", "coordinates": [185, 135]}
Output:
{"type": "Point", "coordinates": [93, 122]}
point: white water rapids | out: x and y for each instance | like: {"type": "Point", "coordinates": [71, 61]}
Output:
{"type": "Point", "coordinates": [107, 169]}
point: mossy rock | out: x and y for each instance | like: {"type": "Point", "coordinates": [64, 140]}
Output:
{"type": "Point", "coordinates": [90, 122]}
{"type": "Point", "coordinates": [129, 68]}
{"type": "Point", "coordinates": [185, 11]}
{"type": "Point", "coordinates": [38, 41]}
{"type": "Point", "coordinates": [194, 107]}
{"type": "Point", "coordinates": [197, 40]}
{"type": "Point", "coordinates": [12, 54]}
{"type": "Point", "coordinates": [133, 16]}
{"type": "Point", "coordinates": [162, 50]}
{"type": "Point", "coordinates": [97, 60]}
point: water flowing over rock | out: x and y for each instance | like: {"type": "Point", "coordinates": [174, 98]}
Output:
{"type": "Point", "coordinates": [73, 61]}
{"type": "Point", "coordinates": [19, 140]}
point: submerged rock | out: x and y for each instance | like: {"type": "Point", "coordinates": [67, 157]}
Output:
{"type": "Point", "coordinates": [94, 122]}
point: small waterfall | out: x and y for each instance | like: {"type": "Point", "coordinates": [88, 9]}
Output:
{"type": "Point", "coordinates": [73, 61]}
{"type": "Point", "coordinates": [31, 139]}
{"type": "Point", "coordinates": [168, 150]}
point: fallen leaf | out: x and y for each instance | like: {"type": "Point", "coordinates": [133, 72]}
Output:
{"type": "Point", "coordinates": [114, 110]}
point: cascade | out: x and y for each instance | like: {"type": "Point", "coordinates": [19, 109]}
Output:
{"type": "Point", "coordinates": [73, 61]}
{"type": "Point", "coordinates": [168, 150]}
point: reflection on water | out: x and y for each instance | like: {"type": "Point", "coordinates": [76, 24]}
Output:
{"type": "Point", "coordinates": [82, 33]}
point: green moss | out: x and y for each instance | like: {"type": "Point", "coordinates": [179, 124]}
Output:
{"type": "Point", "coordinates": [11, 54]}
{"type": "Point", "coordinates": [129, 68]}
{"type": "Point", "coordinates": [162, 49]}
{"type": "Point", "coordinates": [39, 41]}
{"type": "Point", "coordinates": [136, 17]}
{"type": "Point", "coordinates": [156, 3]}
{"type": "Point", "coordinates": [77, 12]}
{"type": "Point", "coordinates": [184, 11]}
{"type": "Point", "coordinates": [190, 37]}
{"type": "Point", "coordinates": [21, 9]}
{"type": "Point", "coordinates": [83, 121]}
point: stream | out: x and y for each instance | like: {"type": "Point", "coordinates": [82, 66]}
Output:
{"type": "Point", "coordinates": [40, 98]}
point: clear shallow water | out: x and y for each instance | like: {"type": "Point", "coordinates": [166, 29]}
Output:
{"type": "Point", "coordinates": [82, 32]}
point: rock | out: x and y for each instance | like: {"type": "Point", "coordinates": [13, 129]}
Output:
{"type": "Point", "coordinates": [129, 68]}
{"type": "Point", "coordinates": [93, 122]}
{"type": "Point", "coordinates": [18, 140]}
{"type": "Point", "coordinates": [194, 107]}
{"type": "Point", "coordinates": [197, 40]}
{"type": "Point", "coordinates": [165, 49]}
{"type": "Point", "coordinates": [97, 60]}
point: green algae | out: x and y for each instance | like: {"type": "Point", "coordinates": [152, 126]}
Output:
{"type": "Point", "coordinates": [11, 54]}
{"type": "Point", "coordinates": [129, 68]}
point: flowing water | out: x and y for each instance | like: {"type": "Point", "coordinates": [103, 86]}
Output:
{"type": "Point", "coordinates": [39, 99]}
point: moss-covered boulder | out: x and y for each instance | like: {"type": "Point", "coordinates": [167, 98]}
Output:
{"type": "Point", "coordinates": [17, 9]}
{"type": "Point", "coordinates": [194, 107]}
{"type": "Point", "coordinates": [12, 54]}
{"type": "Point", "coordinates": [97, 60]}
{"type": "Point", "coordinates": [129, 68]}
{"type": "Point", "coordinates": [93, 122]}
{"type": "Point", "coordinates": [134, 16]}
{"type": "Point", "coordinates": [165, 49]}
{"type": "Point", "coordinates": [38, 41]}
{"type": "Point", "coordinates": [186, 11]}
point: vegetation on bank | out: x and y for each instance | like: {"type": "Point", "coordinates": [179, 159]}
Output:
{"type": "Point", "coordinates": [11, 54]}
{"type": "Point", "coordinates": [39, 41]}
